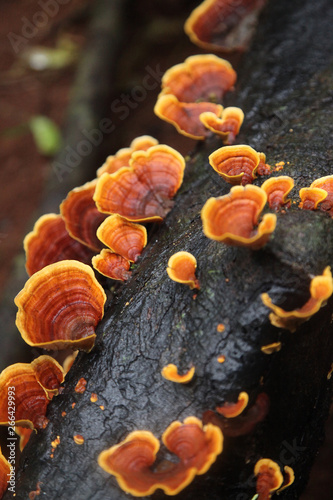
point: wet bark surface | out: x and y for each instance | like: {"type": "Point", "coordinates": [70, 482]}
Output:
{"type": "Point", "coordinates": [285, 83]}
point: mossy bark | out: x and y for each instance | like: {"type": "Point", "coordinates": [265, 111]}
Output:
{"type": "Point", "coordinates": [285, 88]}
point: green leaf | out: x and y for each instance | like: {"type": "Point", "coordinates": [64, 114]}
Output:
{"type": "Point", "coordinates": [46, 135]}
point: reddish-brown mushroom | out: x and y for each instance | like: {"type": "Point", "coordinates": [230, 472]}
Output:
{"type": "Point", "coordinates": [269, 478]}
{"type": "Point", "coordinates": [143, 191]}
{"type": "Point", "coordinates": [181, 268]}
{"type": "Point", "coordinates": [123, 156]}
{"type": "Point", "coordinates": [60, 307]}
{"type": "Point", "coordinates": [227, 126]}
{"type": "Point", "coordinates": [130, 461]}
{"type": "Point", "coordinates": [325, 183]}
{"type": "Point", "coordinates": [232, 218]}
{"type": "Point", "coordinates": [232, 410]}
{"type": "Point", "coordinates": [277, 190]}
{"type": "Point", "coordinates": [321, 288]}
{"type": "Point", "coordinates": [24, 434]}
{"type": "Point", "coordinates": [50, 242]}
{"type": "Point", "coordinates": [5, 470]}
{"type": "Point", "coordinates": [81, 215]}
{"type": "Point", "coordinates": [112, 265]}
{"type": "Point", "coordinates": [49, 374]}
{"type": "Point", "coordinates": [221, 25]}
{"type": "Point", "coordinates": [237, 164]}
{"type": "Point", "coordinates": [170, 372]}
{"type": "Point", "coordinates": [289, 478]}
{"type": "Point", "coordinates": [123, 237]}
{"type": "Point", "coordinates": [311, 197]}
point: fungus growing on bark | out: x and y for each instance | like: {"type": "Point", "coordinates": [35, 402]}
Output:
{"type": "Point", "coordinates": [24, 434]}
{"type": "Point", "coordinates": [81, 386]}
{"type": "Point", "coordinates": [325, 183]}
{"type": "Point", "coordinates": [78, 439]}
{"type": "Point", "coordinates": [35, 384]}
{"type": "Point", "coordinates": [123, 237]}
{"type": "Point", "coordinates": [60, 307]}
{"type": "Point", "coordinates": [232, 218]}
{"type": "Point", "coordinates": [170, 372]}
{"type": "Point", "coordinates": [227, 126]}
{"type": "Point", "coordinates": [112, 265]}
{"type": "Point", "coordinates": [277, 190]}
{"type": "Point", "coordinates": [270, 348]}
{"type": "Point", "coordinates": [5, 469]}
{"type": "Point", "coordinates": [311, 197]}
{"type": "Point", "coordinates": [269, 478]}
{"type": "Point", "coordinates": [181, 268]}
{"type": "Point", "coordinates": [81, 215]}
{"type": "Point", "coordinates": [130, 461]}
{"type": "Point", "coordinates": [144, 190]}
{"type": "Point", "coordinates": [123, 156]}
{"type": "Point", "coordinates": [232, 410]}
{"type": "Point", "coordinates": [321, 288]}
{"type": "Point", "coordinates": [237, 164]}
{"type": "Point", "coordinates": [50, 242]}
{"type": "Point", "coordinates": [221, 25]}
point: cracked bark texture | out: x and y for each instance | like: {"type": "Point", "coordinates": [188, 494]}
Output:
{"type": "Point", "coordinates": [285, 82]}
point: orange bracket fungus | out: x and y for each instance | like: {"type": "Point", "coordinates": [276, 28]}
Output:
{"type": "Point", "coordinates": [325, 183]}
{"type": "Point", "coordinates": [81, 215]}
{"type": "Point", "coordinates": [277, 190]}
{"type": "Point", "coordinates": [222, 25]}
{"type": "Point", "coordinates": [50, 242]}
{"type": "Point", "coordinates": [123, 156]}
{"type": "Point", "coordinates": [112, 265]}
{"type": "Point", "coordinates": [24, 435]}
{"type": "Point", "coordinates": [123, 237]}
{"type": "Point", "coordinates": [144, 190]}
{"type": "Point", "coordinates": [131, 460]}
{"type": "Point", "coordinates": [321, 288]}
{"type": "Point", "coordinates": [5, 470]}
{"type": "Point", "coordinates": [170, 372]}
{"type": "Point", "coordinates": [269, 478]}
{"type": "Point", "coordinates": [227, 126]}
{"type": "Point", "coordinates": [232, 218]}
{"type": "Point", "coordinates": [311, 197]}
{"type": "Point", "coordinates": [60, 307]}
{"type": "Point", "coordinates": [270, 348]}
{"type": "Point", "coordinates": [181, 268]}
{"type": "Point", "coordinates": [231, 410]}
{"type": "Point", "coordinates": [34, 386]}
{"type": "Point", "coordinates": [238, 164]}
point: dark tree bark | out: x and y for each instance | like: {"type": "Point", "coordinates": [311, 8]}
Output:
{"type": "Point", "coordinates": [285, 88]}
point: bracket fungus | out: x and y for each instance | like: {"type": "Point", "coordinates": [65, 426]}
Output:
{"type": "Point", "coordinates": [112, 265]}
{"type": "Point", "coordinates": [269, 478]}
{"type": "Point", "coordinates": [24, 434]}
{"type": "Point", "coordinates": [50, 242]}
{"type": "Point", "coordinates": [227, 125]}
{"type": "Point", "coordinates": [123, 237]}
{"type": "Point", "coordinates": [170, 372]}
{"type": "Point", "coordinates": [181, 268]}
{"type": "Point", "coordinates": [60, 307]}
{"type": "Point", "coordinates": [321, 288]}
{"type": "Point", "coordinates": [81, 215]}
{"type": "Point", "coordinates": [277, 190]}
{"type": "Point", "coordinates": [123, 156]}
{"type": "Point", "coordinates": [222, 25]}
{"type": "Point", "coordinates": [238, 164]}
{"type": "Point", "coordinates": [144, 190]}
{"type": "Point", "coordinates": [131, 460]}
{"type": "Point", "coordinates": [232, 218]}
{"type": "Point", "coordinates": [232, 410]}
{"type": "Point", "coordinates": [34, 386]}
{"type": "Point", "coordinates": [311, 197]}
{"type": "Point", "coordinates": [325, 183]}
{"type": "Point", "coordinates": [5, 470]}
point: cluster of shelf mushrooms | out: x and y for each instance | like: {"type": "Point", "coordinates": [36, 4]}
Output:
{"type": "Point", "coordinates": [101, 225]}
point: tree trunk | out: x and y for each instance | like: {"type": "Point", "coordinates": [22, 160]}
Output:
{"type": "Point", "coordinates": [285, 89]}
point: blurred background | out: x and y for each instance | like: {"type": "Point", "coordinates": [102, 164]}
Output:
{"type": "Point", "coordinates": [65, 65]}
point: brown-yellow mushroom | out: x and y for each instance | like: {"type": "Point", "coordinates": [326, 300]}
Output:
{"type": "Point", "coordinates": [181, 268]}
{"type": "Point", "coordinates": [112, 265]}
{"type": "Point", "coordinates": [170, 372]}
{"type": "Point", "coordinates": [277, 190]}
{"type": "Point", "coordinates": [232, 410]}
{"type": "Point", "coordinates": [227, 126]}
{"type": "Point", "coordinates": [269, 478]}
{"type": "Point", "coordinates": [311, 197]}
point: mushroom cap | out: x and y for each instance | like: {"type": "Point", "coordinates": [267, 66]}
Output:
{"type": "Point", "coordinates": [49, 374]}
{"type": "Point", "coordinates": [124, 238]}
{"type": "Point", "coordinates": [123, 156]}
{"type": "Point", "coordinates": [221, 25]}
{"type": "Point", "coordinates": [325, 183]}
{"type": "Point", "coordinates": [142, 191]}
{"type": "Point", "coordinates": [311, 197]}
{"type": "Point", "coordinates": [181, 268]}
{"type": "Point", "coordinates": [81, 216]}
{"type": "Point", "coordinates": [24, 434]}
{"type": "Point", "coordinates": [227, 126]}
{"type": "Point", "coordinates": [5, 469]}
{"type": "Point", "coordinates": [321, 288]}
{"type": "Point", "coordinates": [277, 190]}
{"type": "Point", "coordinates": [130, 461]}
{"type": "Point", "coordinates": [60, 307]}
{"type": "Point", "coordinates": [231, 410]}
{"type": "Point", "coordinates": [50, 242]}
{"type": "Point", "coordinates": [112, 265]}
{"type": "Point", "coordinates": [186, 116]}
{"type": "Point", "coordinates": [170, 372]}
{"type": "Point", "coordinates": [237, 164]}
{"type": "Point", "coordinates": [232, 218]}
{"type": "Point", "coordinates": [269, 477]}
